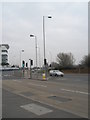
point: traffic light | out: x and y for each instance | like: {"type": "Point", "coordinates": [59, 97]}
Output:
{"type": "Point", "coordinates": [50, 65]}
{"type": "Point", "coordinates": [31, 62]}
{"type": "Point", "coordinates": [23, 63]}
{"type": "Point", "coordinates": [45, 61]}
{"type": "Point", "coordinates": [26, 64]}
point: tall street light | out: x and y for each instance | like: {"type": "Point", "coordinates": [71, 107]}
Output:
{"type": "Point", "coordinates": [21, 57]}
{"type": "Point", "coordinates": [50, 54]}
{"type": "Point", "coordinates": [44, 39]}
{"type": "Point", "coordinates": [39, 56]}
{"type": "Point", "coordinates": [35, 47]}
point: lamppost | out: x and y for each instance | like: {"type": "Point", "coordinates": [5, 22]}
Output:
{"type": "Point", "coordinates": [35, 47]}
{"type": "Point", "coordinates": [30, 70]}
{"type": "Point", "coordinates": [44, 39]}
{"type": "Point", "coordinates": [21, 57]}
{"type": "Point", "coordinates": [50, 57]}
{"type": "Point", "coordinates": [39, 56]}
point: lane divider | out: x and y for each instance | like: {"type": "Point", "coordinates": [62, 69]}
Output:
{"type": "Point", "coordinates": [37, 85]}
{"type": "Point", "coordinates": [17, 80]}
{"type": "Point", "coordinates": [75, 91]}
{"type": "Point", "coordinates": [67, 90]}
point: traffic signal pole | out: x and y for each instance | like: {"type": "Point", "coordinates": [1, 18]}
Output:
{"type": "Point", "coordinates": [31, 63]}
{"type": "Point", "coordinates": [30, 69]}
{"type": "Point", "coordinates": [23, 65]}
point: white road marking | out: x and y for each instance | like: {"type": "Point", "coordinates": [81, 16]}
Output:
{"type": "Point", "coordinates": [7, 75]}
{"type": "Point", "coordinates": [37, 85]}
{"type": "Point", "coordinates": [62, 79]}
{"type": "Point", "coordinates": [76, 91]}
{"type": "Point", "coordinates": [17, 80]}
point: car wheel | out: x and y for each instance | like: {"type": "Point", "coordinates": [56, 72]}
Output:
{"type": "Point", "coordinates": [61, 75]}
{"type": "Point", "coordinates": [55, 74]}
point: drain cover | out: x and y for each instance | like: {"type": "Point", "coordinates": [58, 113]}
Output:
{"type": "Point", "coordinates": [36, 109]}
{"type": "Point", "coordinates": [27, 93]}
{"type": "Point", "coordinates": [60, 99]}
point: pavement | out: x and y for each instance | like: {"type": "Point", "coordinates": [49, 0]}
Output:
{"type": "Point", "coordinates": [13, 107]}
{"type": "Point", "coordinates": [63, 97]}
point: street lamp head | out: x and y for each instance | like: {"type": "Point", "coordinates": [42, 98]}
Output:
{"type": "Point", "coordinates": [22, 50]}
{"type": "Point", "coordinates": [49, 16]}
{"type": "Point", "coordinates": [31, 35]}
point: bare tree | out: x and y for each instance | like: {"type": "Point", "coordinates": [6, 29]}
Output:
{"type": "Point", "coordinates": [54, 65]}
{"type": "Point", "coordinates": [65, 60]}
{"type": "Point", "coordinates": [86, 61]}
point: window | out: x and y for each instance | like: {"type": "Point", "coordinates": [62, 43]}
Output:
{"type": "Point", "coordinates": [4, 51]}
{"type": "Point", "coordinates": [4, 55]}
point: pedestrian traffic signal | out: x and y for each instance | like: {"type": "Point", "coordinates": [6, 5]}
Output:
{"type": "Point", "coordinates": [26, 64]}
{"type": "Point", "coordinates": [50, 65]}
{"type": "Point", "coordinates": [31, 62]}
{"type": "Point", "coordinates": [23, 63]}
{"type": "Point", "coordinates": [45, 61]}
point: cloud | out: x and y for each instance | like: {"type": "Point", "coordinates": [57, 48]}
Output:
{"type": "Point", "coordinates": [66, 31]}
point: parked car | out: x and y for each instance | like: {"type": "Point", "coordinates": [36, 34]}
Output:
{"type": "Point", "coordinates": [56, 73]}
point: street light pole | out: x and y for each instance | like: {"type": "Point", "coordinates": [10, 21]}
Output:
{"type": "Point", "coordinates": [44, 35]}
{"type": "Point", "coordinates": [50, 57]}
{"type": "Point", "coordinates": [44, 41]}
{"type": "Point", "coordinates": [30, 70]}
{"type": "Point", "coordinates": [39, 58]}
{"type": "Point", "coordinates": [21, 57]}
{"type": "Point", "coordinates": [35, 47]}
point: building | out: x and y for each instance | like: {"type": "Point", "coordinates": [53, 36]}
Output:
{"type": "Point", "coordinates": [4, 54]}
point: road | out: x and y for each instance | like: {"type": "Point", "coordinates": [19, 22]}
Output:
{"type": "Point", "coordinates": [71, 78]}
{"type": "Point", "coordinates": [67, 95]}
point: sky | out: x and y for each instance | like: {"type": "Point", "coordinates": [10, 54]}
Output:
{"type": "Point", "coordinates": [66, 31]}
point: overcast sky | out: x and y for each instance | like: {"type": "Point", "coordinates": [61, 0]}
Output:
{"type": "Point", "coordinates": [66, 31]}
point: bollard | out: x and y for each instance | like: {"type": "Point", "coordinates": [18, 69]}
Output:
{"type": "Point", "coordinates": [44, 76]}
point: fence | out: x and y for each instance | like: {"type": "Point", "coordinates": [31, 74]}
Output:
{"type": "Point", "coordinates": [23, 74]}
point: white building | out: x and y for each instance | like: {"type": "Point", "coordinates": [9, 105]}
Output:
{"type": "Point", "coordinates": [4, 54]}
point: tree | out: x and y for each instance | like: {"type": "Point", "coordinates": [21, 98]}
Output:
{"type": "Point", "coordinates": [65, 60]}
{"type": "Point", "coordinates": [86, 61]}
{"type": "Point", "coordinates": [54, 65]}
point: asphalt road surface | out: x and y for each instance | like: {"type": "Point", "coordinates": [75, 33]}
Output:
{"type": "Point", "coordinates": [63, 96]}
{"type": "Point", "coordinates": [12, 108]}
{"type": "Point", "coordinates": [71, 79]}
{"type": "Point", "coordinates": [18, 74]}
